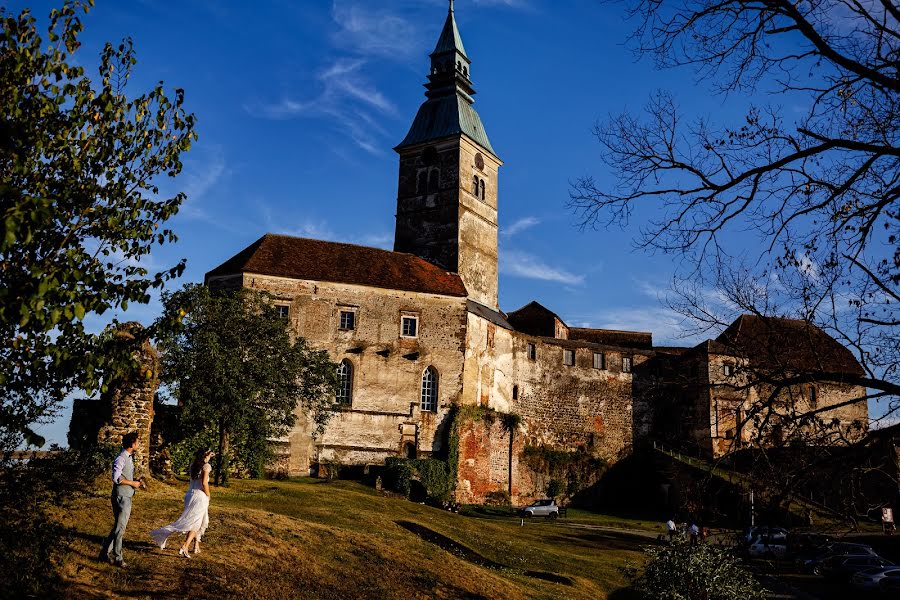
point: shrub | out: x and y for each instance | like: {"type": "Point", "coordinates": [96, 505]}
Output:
{"type": "Point", "coordinates": [554, 488]}
{"type": "Point", "coordinates": [498, 498]}
{"type": "Point", "coordinates": [701, 572]}
{"type": "Point", "coordinates": [31, 541]}
{"type": "Point", "coordinates": [435, 476]}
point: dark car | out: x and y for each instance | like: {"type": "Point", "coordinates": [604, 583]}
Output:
{"type": "Point", "coordinates": [814, 560]}
{"type": "Point", "coordinates": [842, 568]}
{"type": "Point", "coordinates": [889, 586]}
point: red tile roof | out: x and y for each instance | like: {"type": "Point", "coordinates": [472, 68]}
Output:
{"type": "Point", "coordinates": [786, 344]}
{"type": "Point", "coordinates": [317, 260]}
{"type": "Point", "coordinates": [613, 337]}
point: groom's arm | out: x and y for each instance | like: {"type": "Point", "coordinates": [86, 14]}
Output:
{"type": "Point", "coordinates": [118, 467]}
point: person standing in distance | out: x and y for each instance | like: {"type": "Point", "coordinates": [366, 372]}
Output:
{"type": "Point", "coordinates": [124, 485]}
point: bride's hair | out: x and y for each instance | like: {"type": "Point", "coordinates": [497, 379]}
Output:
{"type": "Point", "coordinates": [197, 465]}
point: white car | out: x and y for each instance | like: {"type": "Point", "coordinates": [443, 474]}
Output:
{"type": "Point", "coordinates": [871, 578]}
{"type": "Point", "coordinates": [771, 547]}
{"type": "Point", "coordinates": [542, 508]}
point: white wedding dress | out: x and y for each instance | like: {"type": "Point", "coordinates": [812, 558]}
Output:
{"type": "Point", "coordinates": [195, 516]}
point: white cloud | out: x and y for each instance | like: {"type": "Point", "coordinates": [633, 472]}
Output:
{"type": "Point", "coordinates": [667, 326]}
{"type": "Point", "coordinates": [347, 99]}
{"type": "Point", "coordinates": [519, 226]}
{"type": "Point", "coordinates": [521, 264]}
{"type": "Point", "coordinates": [373, 32]}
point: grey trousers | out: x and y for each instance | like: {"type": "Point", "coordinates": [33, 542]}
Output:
{"type": "Point", "coordinates": [121, 506]}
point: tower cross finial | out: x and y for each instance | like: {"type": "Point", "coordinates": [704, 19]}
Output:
{"type": "Point", "coordinates": [451, 5]}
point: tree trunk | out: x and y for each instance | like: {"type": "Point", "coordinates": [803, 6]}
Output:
{"type": "Point", "coordinates": [509, 469]}
{"type": "Point", "coordinates": [223, 449]}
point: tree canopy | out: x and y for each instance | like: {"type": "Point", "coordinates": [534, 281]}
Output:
{"type": "Point", "coordinates": [817, 193]}
{"type": "Point", "coordinates": [238, 374]}
{"type": "Point", "coordinates": [80, 206]}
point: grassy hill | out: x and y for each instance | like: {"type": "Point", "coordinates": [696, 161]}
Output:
{"type": "Point", "coordinates": [315, 539]}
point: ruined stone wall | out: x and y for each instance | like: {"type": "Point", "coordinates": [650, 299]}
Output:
{"type": "Point", "coordinates": [737, 413]}
{"type": "Point", "coordinates": [384, 415]}
{"type": "Point", "coordinates": [562, 407]}
{"type": "Point", "coordinates": [130, 401]}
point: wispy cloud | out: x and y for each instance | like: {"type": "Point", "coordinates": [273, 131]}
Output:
{"type": "Point", "coordinates": [667, 326]}
{"type": "Point", "coordinates": [373, 32]}
{"type": "Point", "coordinates": [507, 3]}
{"type": "Point", "coordinates": [519, 226]}
{"type": "Point", "coordinates": [522, 264]}
{"type": "Point", "coordinates": [347, 99]}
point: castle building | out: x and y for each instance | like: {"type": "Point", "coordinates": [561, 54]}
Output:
{"type": "Point", "coordinates": [418, 331]}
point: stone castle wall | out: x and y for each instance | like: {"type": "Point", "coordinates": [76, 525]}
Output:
{"type": "Point", "coordinates": [384, 416]}
{"type": "Point", "coordinates": [568, 408]}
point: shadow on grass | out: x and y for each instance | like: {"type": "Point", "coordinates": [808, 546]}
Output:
{"type": "Point", "coordinates": [469, 555]}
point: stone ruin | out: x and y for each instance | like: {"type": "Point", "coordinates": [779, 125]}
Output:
{"type": "Point", "coordinates": [127, 405]}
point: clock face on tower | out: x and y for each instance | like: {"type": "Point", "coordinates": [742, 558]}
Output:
{"type": "Point", "coordinates": [479, 161]}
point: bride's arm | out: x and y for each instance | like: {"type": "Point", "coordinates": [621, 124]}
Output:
{"type": "Point", "coordinates": [204, 482]}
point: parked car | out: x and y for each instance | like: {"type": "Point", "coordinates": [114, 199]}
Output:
{"type": "Point", "coordinates": [813, 561]}
{"type": "Point", "coordinates": [541, 508]}
{"type": "Point", "coordinates": [755, 532]}
{"type": "Point", "coordinates": [842, 568]}
{"type": "Point", "coordinates": [890, 586]}
{"type": "Point", "coordinates": [770, 547]}
{"type": "Point", "coordinates": [870, 578]}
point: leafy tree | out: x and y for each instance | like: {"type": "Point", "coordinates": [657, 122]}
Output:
{"type": "Point", "coordinates": [79, 166]}
{"type": "Point", "coordinates": [820, 190]}
{"type": "Point", "coordinates": [702, 572]}
{"type": "Point", "coordinates": [233, 366]}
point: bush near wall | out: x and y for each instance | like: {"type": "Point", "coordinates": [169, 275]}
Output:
{"type": "Point", "coordinates": [435, 477]}
{"type": "Point", "coordinates": [567, 471]}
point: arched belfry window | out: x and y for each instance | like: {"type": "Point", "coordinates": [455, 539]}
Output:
{"type": "Point", "coordinates": [481, 182]}
{"type": "Point", "coordinates": [422, 183]}
{"type": "Point", "coordinates": [475, 186]}
{"type": "Point", "coordinates": [345, 380]}
{"type": "Point", "coordinates": [429, 389]}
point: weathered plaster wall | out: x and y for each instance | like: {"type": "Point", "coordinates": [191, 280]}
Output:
{"type": "Point", "coordinates": [562, 407]}
{"type": "Point", "coordinates": [442, 219]}
{"type": "Point", "coordinates": [384, 414]}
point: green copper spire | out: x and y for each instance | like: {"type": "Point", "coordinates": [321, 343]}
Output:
{"type": "Point", "coordinates": [448, 110]}
{"type": "Point", "coordinates": [450, 41]}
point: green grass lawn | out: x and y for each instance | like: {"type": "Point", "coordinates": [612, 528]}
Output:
{"type": "Point", "coordinates": [340, 539]}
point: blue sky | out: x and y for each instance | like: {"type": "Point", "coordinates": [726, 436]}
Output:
{"type": "Point", "coordinates": [299, 104]}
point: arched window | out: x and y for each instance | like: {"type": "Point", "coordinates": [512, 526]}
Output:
{"type": "Point", "coordinates": [434, 176]}
{"type": "Point", "coordinates": [515, 392]}
{"type": "Point", "coordinates": [422, 183]}
{"type": "Point", "coordinates": [459, 65]}
{"type": "Point", "coordinates": [429, 389]}
{"type": "Point", "coordinates": [475, 186]}
{"type": "Point", "coordinates": [466, 71]}
{"type": "Point", "coordinates": [481, 182]}
{"type": "Point", "coordinates": [345, 378]}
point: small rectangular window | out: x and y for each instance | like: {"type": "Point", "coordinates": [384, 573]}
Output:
{"type": "Point", "coordinates": [569, 357]}
{"type": "Point", "coordinates": [599, 360]}
{"type": "Point", "coordinates": [728, 370]}
{"type": "Point", "coordinates": [348, 320]}
{"type": "Point", "coordinates": [284, 310]}
{"type": "Point", "coordinates": [409, 326]}
{"type": "Point", "coordinates": [813, 396]}
{"type": "Point", "coordinates": [532, 352]}
{"type": "Point", "coordinates": [626, 364]}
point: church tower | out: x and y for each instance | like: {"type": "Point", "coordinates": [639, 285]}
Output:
{"type": "Point", "coordinates": [447, 193]}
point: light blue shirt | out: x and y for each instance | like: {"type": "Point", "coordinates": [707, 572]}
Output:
{"type": "Point", "coordinates": [123, 468]}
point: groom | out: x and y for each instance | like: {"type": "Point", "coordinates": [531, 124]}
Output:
{"type": "Point", "coordinates": [124, 485]}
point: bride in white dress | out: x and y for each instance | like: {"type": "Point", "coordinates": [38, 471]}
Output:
{"type": "Point", "coordinates": [195, 517]}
